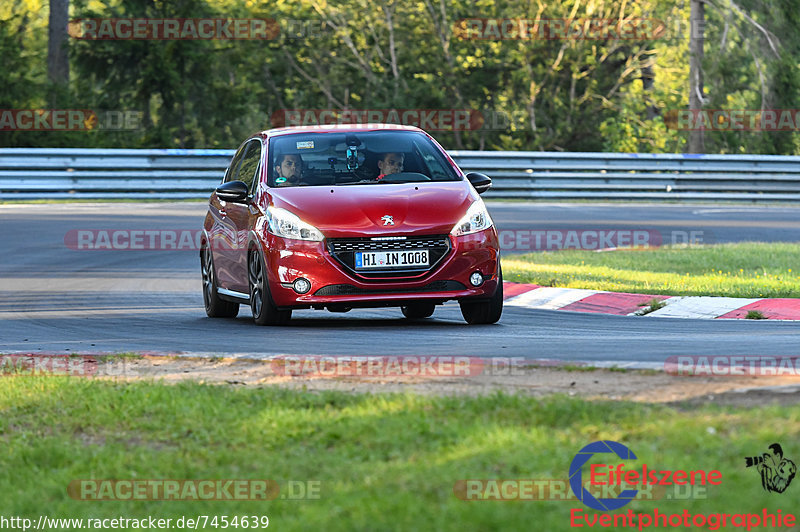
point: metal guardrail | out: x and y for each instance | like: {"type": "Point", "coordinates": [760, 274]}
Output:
{"type": "Point", "coordinates": [53, 173]}
{"type": "Point", "coordinates": [59, 173]}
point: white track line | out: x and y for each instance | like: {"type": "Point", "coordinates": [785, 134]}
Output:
{"type": "Point", "coordinates": [549, 298]}
{"type": "Point", "coordinates": [700, 307]}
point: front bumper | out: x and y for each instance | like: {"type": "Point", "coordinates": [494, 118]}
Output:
{"type": "Point", "coordinates": [333, 285]}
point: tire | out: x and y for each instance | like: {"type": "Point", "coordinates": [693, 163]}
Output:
{"type": "Point", "coordinates": [418, 310]}
{"type": "Point", "coordinates": [216, 307]}
{"type": "Point", "coordinates": [261, 304]}
{"type": "Point", "coordinates": [486, 311]}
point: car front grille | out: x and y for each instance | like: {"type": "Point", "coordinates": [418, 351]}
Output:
{"type": "Point", "coordinates": [344, 249]}
{"type": "Point", "coordinates": [350, 290]}
{"type": "Point", "coordinates": [344, 245]}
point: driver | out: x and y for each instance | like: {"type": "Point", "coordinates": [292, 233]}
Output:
{"type": "Point", "coordinates": [390, 163]}
{"type": "Point", "coordinates": [288, 170]}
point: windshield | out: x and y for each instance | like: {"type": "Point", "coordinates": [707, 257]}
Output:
{"type": "Point", "coordinates": [352, 158]}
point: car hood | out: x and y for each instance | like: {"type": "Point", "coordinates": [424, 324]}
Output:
{"type": "Point", "coordinates": [356, 210]}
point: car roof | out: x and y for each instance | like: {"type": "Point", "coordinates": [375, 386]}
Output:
{"type": "Point", "coordinates": [337, 128]}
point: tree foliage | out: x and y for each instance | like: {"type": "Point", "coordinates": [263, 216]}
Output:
{"type": "Point", "coordinates": [536, 94]}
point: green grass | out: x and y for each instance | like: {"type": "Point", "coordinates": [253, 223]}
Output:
{"type": "Point", "coordinates": [651, 306]}
{"type": "Point", "coordinates": [737, 270]}
{"type": "Point", "coordinates": [386, 462]}
{"type": "Point", "coordinates": [578, 369]}
{"type": "Point", "coordinates": [114, 357]}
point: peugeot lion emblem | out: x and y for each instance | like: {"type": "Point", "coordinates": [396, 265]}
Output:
{"type": "Point", "coordinates": [387, 220]}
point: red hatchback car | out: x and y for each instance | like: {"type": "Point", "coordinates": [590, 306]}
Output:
{"type": "Point", "coordinates": [339, 217]}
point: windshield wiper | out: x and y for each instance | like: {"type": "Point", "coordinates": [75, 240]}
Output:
{"type": "Point", "coordinates": [362, 182]}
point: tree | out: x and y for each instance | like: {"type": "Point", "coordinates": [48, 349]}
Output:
{"type": "Point", "coordinates": [57, 51]}
{"type": "Point", "coordinates": [696, 42]}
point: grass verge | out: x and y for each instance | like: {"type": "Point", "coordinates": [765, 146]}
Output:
{"type": "Point", "coordinates": [745, 269]}
{"type": "Point", "coordinates": [386, 462]}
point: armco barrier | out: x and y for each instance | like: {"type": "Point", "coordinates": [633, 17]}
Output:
{"type": "Point", "coordinates": [54, 173]}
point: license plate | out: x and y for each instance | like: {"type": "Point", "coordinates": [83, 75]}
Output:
{"type": "Point", "coordinates": [391, 259]}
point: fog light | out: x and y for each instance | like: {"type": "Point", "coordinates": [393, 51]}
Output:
{"type": "Point", "coordinates": [476, 279]}
{"type": "Point", "coordinates": [301, 285]}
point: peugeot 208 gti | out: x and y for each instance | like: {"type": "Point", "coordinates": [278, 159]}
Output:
{"type": "Point", "coordinates": [340, 217]}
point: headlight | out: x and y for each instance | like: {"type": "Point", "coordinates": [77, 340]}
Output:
{"type": "Point", "coordinates": [288, 225]}
{"type": "Point", "coordinates": [476, 219]}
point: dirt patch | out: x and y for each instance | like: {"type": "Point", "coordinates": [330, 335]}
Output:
{"type": "Point", "coordinates": [634, 385]}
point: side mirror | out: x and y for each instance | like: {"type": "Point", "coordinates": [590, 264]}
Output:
{"type": "Point", "coordinates": [481, 182]}
{"type": "Point", "coordinates": [233, 191]}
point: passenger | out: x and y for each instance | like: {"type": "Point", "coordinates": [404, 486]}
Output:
{"type": "Point", "coordinates": [390, 163]}
{"type": "Point", "coordinates": [289, 170]}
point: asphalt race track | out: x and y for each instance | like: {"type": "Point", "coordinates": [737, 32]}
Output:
{"type": "Point", "coordinates": [57, 299]}
{"type": "Point", "coordinates": [712, 224]}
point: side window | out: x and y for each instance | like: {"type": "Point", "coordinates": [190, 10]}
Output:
{"type": "Point", "coordinates": [234, 166]}
{"type": "Point", "coordinates": [250, 163]}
